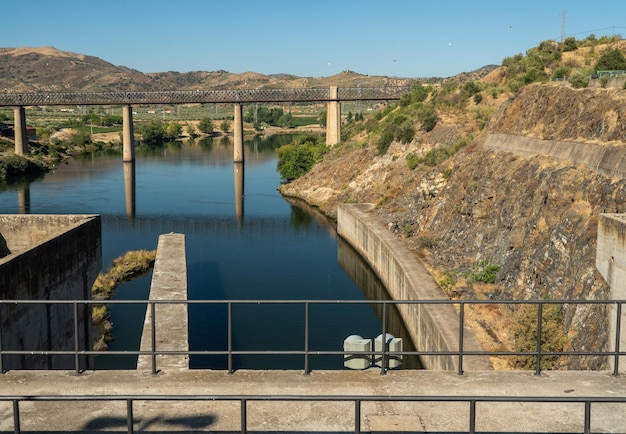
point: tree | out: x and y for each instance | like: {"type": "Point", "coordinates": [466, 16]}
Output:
{"type": "Point", "coordinates": [225, 127]}
{"type": "Point", "coordinates": [611, 60]}
{"type": "Point", "coordinates": [294, 160]}
{"type": "Point", "coordinates": [206, 126]}
{"type": "Point", "coordinates": [173, 130]}
{"type": "Point", "coordinates": [153, 133]}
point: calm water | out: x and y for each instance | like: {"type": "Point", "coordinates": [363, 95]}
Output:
{"type": "Point", "coordinates": [261, 247]}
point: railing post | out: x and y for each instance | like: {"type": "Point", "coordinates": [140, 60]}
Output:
{"type": "Point", "coordinates": [230, 339]}
{"type": "Point", "coordinates": [384, 359]}
{"type": "Point", "coordinates": [357, 416]}
{"type": "Point", "coordinates": [129, 416]}
{"type": "Point", "coordinates": [16, 417]}
{"type": "Point", "coordinates": [461, 322]}
{"type": "Point", "coordinates": [153, 337]}
{"type": "Point", "coordinates": [76, 339]}
{"type": "Point", "coordinates": [587, 417]}
{"type": "Point", "coordinates": [539, 324]}
{"type": "Point", "coordinates": [307, 371]}
{"type": "Point", "coordinates": [618, 326]}
{"type": "Point", "coordinates": [244, 417]}
{"type": "Point", "coordinates": [1, 354]}
{"type": "Point", "coordinates": [472, 417]}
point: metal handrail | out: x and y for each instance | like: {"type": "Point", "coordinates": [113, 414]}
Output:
{"type": "Point", "coordinates": [356, 399]}
{"type": "Point", "coordinates": [384, 353]}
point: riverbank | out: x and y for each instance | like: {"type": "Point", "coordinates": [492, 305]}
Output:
{"type": "Point", "coordinates": [130, 265]}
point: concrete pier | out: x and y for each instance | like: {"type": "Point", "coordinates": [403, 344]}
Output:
{"type": "Point", "coordinates": [128, 134]}
{"type": "Point", "coordinates": [169, 282]}
{"type": "Point", "coordinates": [333, 118]}
{"type": "Point", "coordinates": [21, 139]}
{"type": "Point", "coordinates": [238, 133]}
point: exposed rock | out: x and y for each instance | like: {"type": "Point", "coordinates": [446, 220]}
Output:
{"type": "Point", "coordinates": [535, 218]}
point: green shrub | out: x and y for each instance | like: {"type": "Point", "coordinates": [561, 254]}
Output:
{"type": "Point", "coordinates": [553, 337]}
{"type": "Point", "coordinates": [579, 80]}
{"type": "Point", "coordinates": [15, 166]}
{"type": "Point", "coordinates": [294, 160]}
{"type": "Point", "coordinates": [412, 160]}
{"type": "Point", "coordinates": [384, 142]}
{"type": "Point", "coordinates": [483, 272]}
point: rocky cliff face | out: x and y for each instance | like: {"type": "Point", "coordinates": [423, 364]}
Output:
{"type": "Point", "coordinates": [535, 218]}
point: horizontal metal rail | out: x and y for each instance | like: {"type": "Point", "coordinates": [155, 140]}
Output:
{"type": "Point", "coordinates": [472, 402]}
{"type": "Point", "coordinates": [385, 354]}
{"type": "Point", "coordinates": [203, 96]}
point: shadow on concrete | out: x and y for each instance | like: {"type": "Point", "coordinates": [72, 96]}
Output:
{"type": "Point", "coordinates": [197, 423]}
{"type": "Point", "coordinates": [4, 248]}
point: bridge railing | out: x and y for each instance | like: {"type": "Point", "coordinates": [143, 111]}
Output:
{"type": "Point", "coordinates": [613, 311]}
{"type": "Point", "coordinates": [473, 412]}
{"type": "Point", "coordinates": [203, 96]}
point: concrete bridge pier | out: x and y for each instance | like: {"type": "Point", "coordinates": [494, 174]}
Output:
{"type": "Point", "coordinates": [21, 139]}
{"type": "Point", "coordinates": [238, 133]}
{"type": "Point", "coordinates": [333, 118]}
{"type": "Point", "coordinates": [128, 134]}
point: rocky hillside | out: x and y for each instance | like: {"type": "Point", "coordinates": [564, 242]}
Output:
{"type": "Point", "coordinates": [534, 219]}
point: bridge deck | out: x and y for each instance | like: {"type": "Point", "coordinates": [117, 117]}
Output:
{"type": "Point", "coordinates": [203, 96]}
{"type": "Point", "coordinates": [218, 416]}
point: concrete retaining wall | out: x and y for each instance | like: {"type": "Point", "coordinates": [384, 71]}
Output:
{"type": "Point", "coordinates": [47, 257]}
{"type": "Point", "coordinates": [611, 263]}
{"type": "Point", "coordinates": [432, 327]}
{"type": "Point", "coordinates": [608, 160]}
{"type": "Point", "coordinates": [169, 282]}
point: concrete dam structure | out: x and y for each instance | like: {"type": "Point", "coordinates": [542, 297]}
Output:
{"type": "Point", "coordinates": [47, 257]}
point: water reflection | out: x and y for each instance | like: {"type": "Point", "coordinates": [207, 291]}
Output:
{"type": "Point", "coordinates": [129, 188]}
{"type": "Point", "coordinates": [23, 197]}
{"type": "Point", "coordinates": [282, 250]}
{"type": "Point", "coordinates": [239, 191]}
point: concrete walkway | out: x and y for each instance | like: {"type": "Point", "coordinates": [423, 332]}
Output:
{"type": "Point", "coordinates": [307, 416]}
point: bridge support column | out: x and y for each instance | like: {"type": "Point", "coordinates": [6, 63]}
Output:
{"type": "Point", "coordinates": [238, 133]}
{"type": "Point", "coordinates": [333, 118]}
{"type": "Point", "coordinates": [128, 134]}
{"type": "Point", "coordinates": [19, 128]}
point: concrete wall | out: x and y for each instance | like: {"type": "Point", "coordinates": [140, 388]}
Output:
{"type": "Point", "coordinates": [608, 160]}
{"type": "Point", "coordinates": [432, 327]}
{"type": "Point", "coordinates": [47, 257]}
{"type": "Point", "coordinates": [611, 263]}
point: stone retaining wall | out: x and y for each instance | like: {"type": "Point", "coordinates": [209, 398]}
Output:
{"type": "Point", "coordinates": [432, 327]}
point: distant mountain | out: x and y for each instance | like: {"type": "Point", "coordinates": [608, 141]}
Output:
{"type": "Point", "coordinates": [47, 69]}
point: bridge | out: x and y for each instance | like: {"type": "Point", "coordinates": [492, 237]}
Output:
{"type": "Point", "coordinates": [332, 96]}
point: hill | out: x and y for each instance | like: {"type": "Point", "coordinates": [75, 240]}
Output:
{"type": "Point", "coordinates": [47, 69]}
{"type": "Point", "coordinates": [461, 206]}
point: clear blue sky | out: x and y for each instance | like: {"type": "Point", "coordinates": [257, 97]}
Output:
{"type": "Point", "coordinates": [403, 38]}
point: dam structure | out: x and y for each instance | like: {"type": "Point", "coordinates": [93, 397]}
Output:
{"type": "Point", "coordinates": [164, 394]}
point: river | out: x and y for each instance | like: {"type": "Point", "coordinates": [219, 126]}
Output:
{"type": "Point", "coordinates": [262, 247]}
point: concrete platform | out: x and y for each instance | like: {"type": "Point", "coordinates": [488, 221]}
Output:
{"type": "Point", "coordinates": [311, 416]}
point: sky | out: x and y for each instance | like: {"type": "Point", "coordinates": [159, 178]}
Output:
{"type": "Point", "coordinates": [319, 38]}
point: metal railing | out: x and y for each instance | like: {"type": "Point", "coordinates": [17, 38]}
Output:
{"type": "Point", "coordinates": [384, 353]}
{"type": "Point", "coordinates": [357, 400]}
{"type": "Point", "coordinates": [203, 96]}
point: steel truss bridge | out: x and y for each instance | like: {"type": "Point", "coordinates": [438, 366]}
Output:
{"type": "Point", "coordinates": [204, 96]}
